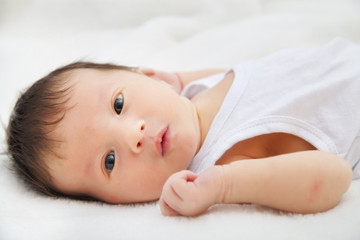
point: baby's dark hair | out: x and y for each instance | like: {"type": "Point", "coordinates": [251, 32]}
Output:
{"type": "Point", "coordinates": [35, 115]}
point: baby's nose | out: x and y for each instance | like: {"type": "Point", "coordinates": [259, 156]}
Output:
{"type": "Point", "coordinates": [136, 143]}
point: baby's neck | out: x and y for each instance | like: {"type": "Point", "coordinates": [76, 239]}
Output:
{"type": "Point", "coordinates": [207, 104]}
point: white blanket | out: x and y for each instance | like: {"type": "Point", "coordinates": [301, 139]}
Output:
{"type": "Point", "coordinates": [40, 35]}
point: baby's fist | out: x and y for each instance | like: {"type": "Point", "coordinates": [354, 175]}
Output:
{"type": "Point", "coordinates": [187, 194]}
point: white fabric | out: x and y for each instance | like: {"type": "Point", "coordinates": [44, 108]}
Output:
{"type": "Point", "coordinates": [310, 93]}
{"type": "Point", "coordinates": [39, 35]}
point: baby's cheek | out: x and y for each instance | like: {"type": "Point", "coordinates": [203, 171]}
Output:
{"type": "Point", "coordinates": [113, 198]}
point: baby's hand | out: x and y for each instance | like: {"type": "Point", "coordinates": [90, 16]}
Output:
{"type": "Point", "coordinates": [172, 79]}
{"type": "Point", "coordinates": [187, 194]}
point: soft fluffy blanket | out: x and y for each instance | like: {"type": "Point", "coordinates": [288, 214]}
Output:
{"type": "Point", "coordinates": [39, 35]}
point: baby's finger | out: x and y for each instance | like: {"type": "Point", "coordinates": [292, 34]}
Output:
{"type": "Point", "coordinates": [171, 197]}
{"type": "Point", "coordinates": [184, 182]}
{"type": "Point", "coordinates": [183, 189]}
{"type": "Point", "coordinates": [187, 175]}
{"type": "Point", "coordinates": [166, 210]}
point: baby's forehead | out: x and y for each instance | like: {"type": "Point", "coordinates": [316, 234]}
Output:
{"type": "Point", "coordinates": [85, 95]}
{"type": "Point", "coordinates": [91, 90]}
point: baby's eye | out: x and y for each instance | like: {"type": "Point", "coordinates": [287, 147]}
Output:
{"type": "Point", "coordinates": [110, 161]}
{"type": "Point", "coordinates": [119, 103]}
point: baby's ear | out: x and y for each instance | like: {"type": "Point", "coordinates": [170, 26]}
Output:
{"type": "Point", "coordinates": [169, 78]}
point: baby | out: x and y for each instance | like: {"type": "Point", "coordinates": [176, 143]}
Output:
{"type": "Point", "coordinates": [281, 131]}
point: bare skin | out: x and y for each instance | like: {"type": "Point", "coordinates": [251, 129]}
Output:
{"type": "Point", "coordinates": [154, 133]}
{"type": "Point", "coordinates": [277, 170]}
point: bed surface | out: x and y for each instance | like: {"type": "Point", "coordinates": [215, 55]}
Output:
{"type": "Point", "coordinates": [37, 36]}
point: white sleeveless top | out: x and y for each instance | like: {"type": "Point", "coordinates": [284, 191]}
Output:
{"type": "Point", "coordinates": [311, 93]}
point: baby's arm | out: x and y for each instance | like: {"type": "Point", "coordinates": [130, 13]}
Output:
{"type": "Point", "coordinates": [302, 182]}
{"type": "Point", "coordinates": [180, 79]}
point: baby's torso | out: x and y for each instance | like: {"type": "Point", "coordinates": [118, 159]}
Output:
{"type": "Point", "coordinates": [261, 146]}
{"type": "Point", "coordinates": [264, 146]}
{"type": "Point", "coordinates": [293, 100]}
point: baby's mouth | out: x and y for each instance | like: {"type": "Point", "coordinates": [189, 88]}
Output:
{"type": "Point", "coordinates": [162, 140]}
{"type": "Point", "coordinates": [165, 141]}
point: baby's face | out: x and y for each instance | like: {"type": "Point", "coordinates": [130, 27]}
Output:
{"type": "Point", "coordinates": [123, 136]}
